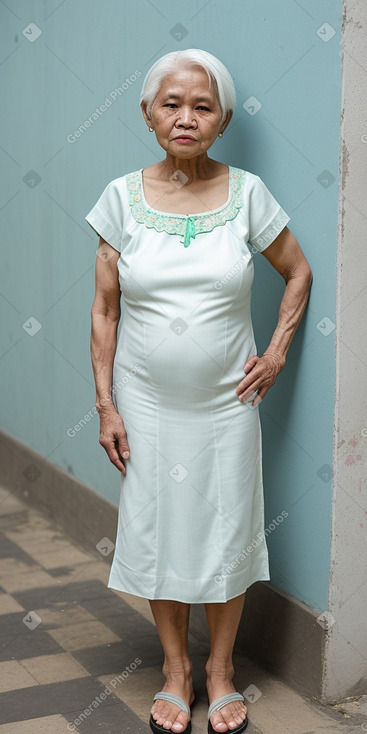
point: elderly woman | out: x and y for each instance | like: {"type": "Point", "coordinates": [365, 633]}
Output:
{"type": "Point", "coordinates": [177, 242]}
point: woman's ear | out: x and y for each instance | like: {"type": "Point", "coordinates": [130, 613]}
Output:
{"type": "Point", "coordinates": [226, 120]}
{"type": "Point", "coordinates": [146, 116]}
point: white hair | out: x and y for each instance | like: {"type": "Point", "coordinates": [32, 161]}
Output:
{"type": "Point", "coordinates": [177, 60]}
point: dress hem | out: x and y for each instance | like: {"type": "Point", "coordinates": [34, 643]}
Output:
{"type": "Point", "coordinates": [118, 587]}
{"type": "Point", "coordinates": [185, 601]}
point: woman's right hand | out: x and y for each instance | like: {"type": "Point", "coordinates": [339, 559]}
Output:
{"type": "Point", "coordinates": [113, 438]}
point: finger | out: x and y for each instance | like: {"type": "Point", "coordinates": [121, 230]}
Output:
{"type": "Point", "coordinates": [244, 392]}
{"type": "Point", "coordinates": [121, 443]}
{"type": "Point", "coordinates": [249, 400]}
{"type": "Point", "coordinates": [252, 400]}
{"type": "Point", "coordinates": [250, 363]}
{"type": "Point", "coordinates": [116, 461]}
{"type": "Point", "coordinates": [122, 451]}
{"type": "Point", "coordinates": [257, 401]}
{"type": "Point", "coordinates": [258, 376]}
{"type": "Point", "coordinates": [114, 456]}
{"type": "Point", "coordinates": [123, 447]}
{"type": "Point", "coordinates": [250, 383]}
{"type": "Point", "coordinates": [260, 396]}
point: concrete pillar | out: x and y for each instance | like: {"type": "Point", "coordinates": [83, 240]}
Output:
{"type": "Point", "coordinates": [345, 652]}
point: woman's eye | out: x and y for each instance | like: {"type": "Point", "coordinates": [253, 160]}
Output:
{"type": "Point", "coordinates": [200, 107]}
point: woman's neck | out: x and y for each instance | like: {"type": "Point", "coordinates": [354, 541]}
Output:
{"type": "Point", "coordinates": [200, 167]}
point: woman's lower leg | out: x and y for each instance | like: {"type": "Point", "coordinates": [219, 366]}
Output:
{"type": "Point", "coordinates": [172, 622]}
{"type": "Point", "coordinates": [223, 621]}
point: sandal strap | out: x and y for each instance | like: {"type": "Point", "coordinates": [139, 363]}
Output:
{"type": "Point", "coordinates": [220, 702]}
{"type": "Point", "coordinates": [164, 696]}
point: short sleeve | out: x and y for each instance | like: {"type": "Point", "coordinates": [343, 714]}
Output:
{"type": "Point", "coordinates": [266, 216]}
{"type": "Point", "coordinates": [106, 217]}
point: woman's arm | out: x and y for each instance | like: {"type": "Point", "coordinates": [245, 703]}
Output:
{"type": "Point", "coordinates": [105, 315]}
{"type": "Point", "coordinates": [286, 256]}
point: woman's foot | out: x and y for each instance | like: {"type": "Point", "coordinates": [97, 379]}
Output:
{"type": "Point", "coordinates": [219, 683]}
{"type": "Point", "coordinates": [168, 715]}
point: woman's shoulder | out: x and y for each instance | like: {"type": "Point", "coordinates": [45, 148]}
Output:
{"type": "Point", "coordinates": [246, 174]}
{"type": "Point", "coordinates": [118, 190]}
{"type": "Point", "coordinates": [252, 184]}
{"type": "Point", "coordinates": [120, 181]}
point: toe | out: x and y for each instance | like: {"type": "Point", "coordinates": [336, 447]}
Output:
{"type": "Point", "coordinates": [164, 715]}
{"type": "Point", "coordinates": [181, 722]}
{"type": "Point", "coordinates": [218, 722]}
{"type": "Point", "coordinates": [160, 714]}
{"type": "Point", "coordinates": [229, 717]}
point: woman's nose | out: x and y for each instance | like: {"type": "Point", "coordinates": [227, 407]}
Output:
{"type": "Point", "coordinates": [186, 117]}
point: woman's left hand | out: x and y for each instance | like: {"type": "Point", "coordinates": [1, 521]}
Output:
{"type": "Point", "coordinates": [261, 373]}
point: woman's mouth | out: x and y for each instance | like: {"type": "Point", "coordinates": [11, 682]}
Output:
{"type": "Point", "coordinates": [185, 139]}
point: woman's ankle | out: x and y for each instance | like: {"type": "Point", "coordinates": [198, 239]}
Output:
{"type": "Point", "coordinates": [222, 669]}
{"type": "Point", "coordinates": [178, 669]}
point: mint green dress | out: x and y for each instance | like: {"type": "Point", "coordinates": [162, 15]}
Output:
{"type": "Point", "coordinates": [191, 513]}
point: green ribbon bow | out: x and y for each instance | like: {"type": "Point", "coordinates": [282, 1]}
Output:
{"type": "Point", "coordinates": [189, 231]}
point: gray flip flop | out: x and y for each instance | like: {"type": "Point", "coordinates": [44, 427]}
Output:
{"type": "Point", "coordinates": [164, 696]}
{"type": "Point", "coordinates": [218, 704]}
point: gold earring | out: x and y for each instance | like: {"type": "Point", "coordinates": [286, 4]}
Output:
{"type": "Point", "coordinates": [151, 129]}
{"type": "Point", "coordinates": [220, 135]}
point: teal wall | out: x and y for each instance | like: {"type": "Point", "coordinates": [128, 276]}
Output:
{"type": "Point", "coordinates": [50, 85]}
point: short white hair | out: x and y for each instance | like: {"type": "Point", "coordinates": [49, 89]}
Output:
{"type": "Point", "coordinates": [177, 60]}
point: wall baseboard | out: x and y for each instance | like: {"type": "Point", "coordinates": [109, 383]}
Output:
{"type": "Point", "coordinates": [278, 632]}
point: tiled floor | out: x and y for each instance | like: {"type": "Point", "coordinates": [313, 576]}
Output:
{"type": "Point", "coordinates": [77, 656]}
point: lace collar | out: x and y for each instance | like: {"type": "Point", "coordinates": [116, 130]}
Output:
{"type": "Point", "coordinates": [183, 224]}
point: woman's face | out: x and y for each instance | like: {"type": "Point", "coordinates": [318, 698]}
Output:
{"type": "Point", "coordinates": [186, 115]}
